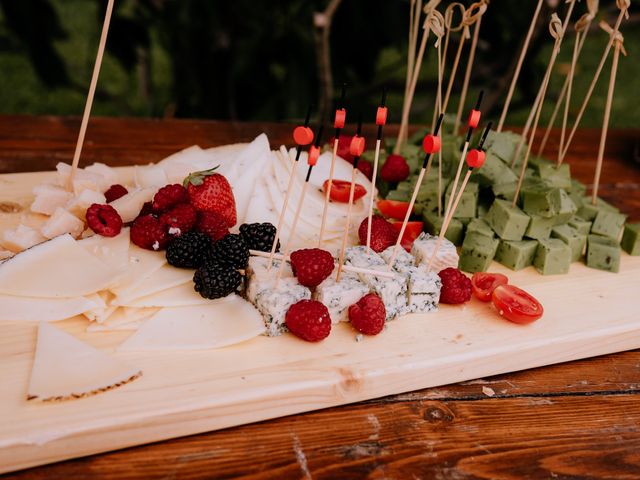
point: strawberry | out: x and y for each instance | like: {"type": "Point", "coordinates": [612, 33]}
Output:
{"type": "Point", "coordinates": [311, 266]}
{"type": "Point", "coordinates": [180, 219]}
{"type": "Point", "coordinates": [395, 169]}
{"type": "Point", "coordinates": [383, 234]}
{"type": "Point", "coordinates": [210, 192]}
{"type": "Point", "coordinates": [309, 320]}
{"type": "Point", "coordinates": [213, 225]}
{"type": "Point", "coordinates": [344, 143]}
{"type": "Point", "coordinates": [368, 314]}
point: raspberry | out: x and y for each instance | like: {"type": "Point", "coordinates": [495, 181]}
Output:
{"type": "Point", "coordinates": [231, 250]}
{"type": "Point", "coordinates": [216, 280]}
{"type": "Point", "coordinates": [309, 320]}
{"type": "Point", "coordinates": [395, 169]}
{"type": "Point", "coordinates": [366, 167]}
{"type": "Point", "coordinates": [368, 314]}
{"type": "Point", "coordinates": [189, 250]}
{"type": "Point", "coordinates": [259, 236]}
{"type": "Point", "coordinates": [147, 209]}
{"type": "Point", "coordinates": [147, 232]}
{"type": "Point", "coordinates": [383, 235]}
{"type": "Point", "coordinates": [212, 224]}
{"type": "Point", "coordinates": [104, 220]}
{"type": "Point", "coordinates": [114, 192]}
{"type": "Point", "coordinates": [180, 219]}
{"type": "Point", "coordinates": [456, 286]}
{"type": "Point", "coordinates": [311, 266]}
{"type": "Point", "coordinates": [169, 196]}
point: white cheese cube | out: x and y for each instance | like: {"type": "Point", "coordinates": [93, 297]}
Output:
{"type": "Point", "coordinates": [48, 198]}
{"type": "Point", "coordinates": [258, 276]}
{"type": "Point", "coordinates": [362, 257]}
{"type": "Point", "coordinates": [423, 290]}
{"type": "Point", "coordinates": [274, 302]}
{"type": "Point", "coordinates": [403, 258]}
{"type": "Point", "coordinates": [150, 176]}
{"type": "Point", "coordinates": [423, 248]}
{"type": "Point", "coordinates": [82, 180]}
{"type": "Point", "coordinates": [21, 238]}
{"type": "Point", "coordinates": [128, 206]}
{"type": "Point", "coordinates": [108, 176]}
{"type": "Point", "coordinates": [339, 296]}
{"type": "Point", "coordinates": [62, 222]}
{"type": "Point", "coordinates": [78, 205]}
{"type": "Point", "coordinates": [392, 291]}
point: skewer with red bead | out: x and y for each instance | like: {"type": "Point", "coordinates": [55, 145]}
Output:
{"type": "Point", "coordinates": [381, 120]}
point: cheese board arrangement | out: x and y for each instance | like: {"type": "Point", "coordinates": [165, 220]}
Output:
{"type": "Point", "coordinates": [240, 283]}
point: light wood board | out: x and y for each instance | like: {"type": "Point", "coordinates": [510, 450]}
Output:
{"type": "Point", "coordinates": [587, 313]}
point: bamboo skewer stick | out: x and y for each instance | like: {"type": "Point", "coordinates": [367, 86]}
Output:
{"type": "Point", "coordinates": [382, 110]}
{"type": "Point", "coordinates": [456, 61]}
{"type": "Point", "coordinates": [516, 73]}
{"type": "Point", "coordinates": [414, 26]}
{"type": "Point", "coordinates": [91, 94]}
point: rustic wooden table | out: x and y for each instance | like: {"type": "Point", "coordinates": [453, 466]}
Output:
{"type": "Point", "coordinates": [574, 420]}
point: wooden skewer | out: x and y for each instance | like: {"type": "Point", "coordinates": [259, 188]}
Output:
{"type": "Point", "coordinates": [92, 92]}
{"type": "Point", "coordinates": [516, 73]}
{"type": "Point", "coordinates": [456, 60]}
{"type": "Point", "coordinates": [376, 158]}
{"type": "Point", "coordinates": [414, 26]}
{"type": "Point", "coordinates": [607, 113]}
{"type": "Point", "coordinates": [623, 5]}
{"type": "Point", "coordinates": [334, 154]}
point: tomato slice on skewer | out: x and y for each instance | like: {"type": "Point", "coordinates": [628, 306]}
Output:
{"type": "Point", "coordinates": [516, 305]}
{"type": "Point", "coordinates": [340, 190]}
{"type": "Point", "coordinates": [393, 208]}
{"type": "Point", "coordinates": [411, 232]}
{"type": "Point", "coordinates": [484, 283]}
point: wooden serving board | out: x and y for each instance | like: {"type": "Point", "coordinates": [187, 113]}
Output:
{"type": "Point", "coordinates": [587, 313]}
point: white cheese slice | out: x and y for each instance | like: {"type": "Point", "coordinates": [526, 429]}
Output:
{"type": "Point", "coordinates": [57, 268]}
{"type": "Point", "coordinates": [65, 368]}
{"type": "Point", "coordinates": [142, 264]}
{"type": "Point", "coordinates": [123, 318]}
{"type": "Point", "coordinates": [180, 296]}
{"type": "Point", "coordinates": [113, 251]}
{"type": "Point", "coordinates": [162, 279]}
{"type": "Point", "coordinates": [35, 309]}
{"type": "Point", "coordinates": [21, 238]}
{"type": "Point", "coordinates": [221, 323]}
{"type": "Point", "coordinates": [104, 309]}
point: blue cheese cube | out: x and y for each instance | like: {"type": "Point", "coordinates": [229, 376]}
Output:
{"type": "Point", "coordinates": [392, 291]}
{"type": "Point", "coordinates": [339, 296]}
{"type": "Point", "coordinates": [258, 277]}
{"type": "Point", "coordinates": [362, 257]}
{"type": "Point", "coordinates": [423, 290]}
{"type": "Point", "coordinates": [423, 247]}
{"type": "Point", "coordinates": [274, 302]}
{"type": "Point", "coordinates": [403, 258]}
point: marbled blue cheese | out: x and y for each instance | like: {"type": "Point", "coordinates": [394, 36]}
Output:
{"type": "Point", "coordinates": [403, 258]}
{"type": "Point", "coordinates": [362, 257]}
{"type": "Point", "coordinates": [339, 296]}
{"type": "Point", "coordinates": [423, 290]}
{"type": "Point", "coordinates": [423, 247]}
{"type": "Point", "coordinates": [258, 277]}
{"type": "Point", "coordinates": [274, 302]}
{"type": "Point", "coordinates": [392, 291]}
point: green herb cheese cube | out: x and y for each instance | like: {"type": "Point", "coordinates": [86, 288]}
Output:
{"type": "Point", "coordinates": [539, 227]}
{"type": "Point", "coordinates": [608, 224]}
{"type": "Point", "coordinates": [603, 253]}
{"type": "Point", "coordinates": [578, 187]}
{"type": "Point", "coordinates": [516, 254]}
{"type": "Point", "coordinates": [571, 237]}
{"type": "Point", "coordinates": [477, 252]}
{"type": "Point", "coordinates": [468, 202]}
{"type": "Point", "coordinates": [504, 190]}
{"type": "Point", "coordinates": [580, 224]}
{"type": "Point", "coordinates": [481, 227]}
{"type": "Point", "coordinates": [483, 209]}
{"type": "Point", "coordinates": [553, 257]}
{"type": "Point", "coordinates": [503, 144]}
{"type": "Point", "coordinates": [588, 210]}
{"type": "Point", "coordinates": [539, 200]}
{"type": "Point", "coordinates": [433, 223]}
{"type": "Point", "coordinates": [552, 174]}
{"type": "Point", "coordinates": [565, 206]}
{"type": "Point", "coordinates": [630, 238]}
{"type": "Point", "coordinates": [507, 221]}
{"type": "Point", "coordinates": [494, 171]}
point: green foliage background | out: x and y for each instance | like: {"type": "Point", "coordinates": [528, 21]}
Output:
{"type": "Point", "coordinates": [255, 60]}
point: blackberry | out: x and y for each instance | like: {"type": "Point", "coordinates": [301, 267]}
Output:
{"type": "Point", "coordinates": [189, 250]}
{"type": "Point", "coordinates": [231, 249]}
{"type": "Point", "coordinates": [259, 236]}
{"type": "Point", "coordinates": [216, 279]}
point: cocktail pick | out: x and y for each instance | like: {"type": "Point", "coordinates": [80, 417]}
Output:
{"type": "Point", "coordinates": [472, 123]}
{"type": "Point", "coordinates": [479, 8]}
{"type": "Point", "coordinates": [312, 159]}
{"type": "Point", "coordinates": [448, 18]}
{"type": "Point", "coordinates": [618, 42]}
{"type": "Point", "coordinates": [338, 123]}
{"type": "Point", "coordinates": [91, 94]}
{"type": "Point", "coordinates": [475, 159]}
{"type": "Point", "coordinates": [516, 73]}
{"type": "Point", "coordinates": [431, 145]}
{"type": "Point", "coordinates": [355, 148]}
{"type": "Point", "coordinates": [623, 5]}
{"type": "Point", "coordinates": [557, 30]}
{"type": "Point", "coordinates": [415, 10]}
{"type": "Point", "coordinates": [302, 135]}
{"type": "Point", "coordinates": [381, 120]}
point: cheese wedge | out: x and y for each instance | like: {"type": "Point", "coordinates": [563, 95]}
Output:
{"type": "Point", "coordinates": [180, 296]}
{"type": "Point", "coordinates": [142, 264]}
{"type": "Point", "coordinates": [66, 368]}
{"type": "Point", "coordinates": [221, 323]}
{"type": "Point", "coordinates": [30, 309]}
{"type": "Point", "coordinates": [57, 268]}
{"type": "Point", "coordinates": [163, 278]}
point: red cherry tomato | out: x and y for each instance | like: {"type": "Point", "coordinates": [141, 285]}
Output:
{"type": "Point", "coordinates": [393, 209]}
{"type": "Point", "coordinates": [516, 305]}
{"type": "Point", "coordinates": [483, 284]}
{"type": "Point", "coordinates": [340, 190]}
{"type": "Point", "coordinates": [411, 232]}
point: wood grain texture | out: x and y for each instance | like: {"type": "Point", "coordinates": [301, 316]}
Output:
{"type": "Point", "coordinates": [572, 420]}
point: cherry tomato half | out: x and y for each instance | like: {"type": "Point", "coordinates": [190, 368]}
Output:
{"type": "Point", "coordinates": [516, 305]}
{"type": "Point", "coordinates": [411, 232]}
{"type": "Point", "coordinates": [484, 283]}
{"type": "Point", "coordinates": [393, 208]}
{"type": "Point", "coordinates": [340, 190]}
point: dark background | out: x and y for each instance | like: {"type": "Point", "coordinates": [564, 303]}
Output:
{"type": "Point", "coordinates": [256, 60]}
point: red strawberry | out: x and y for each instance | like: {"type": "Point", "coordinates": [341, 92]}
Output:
{"type": "Point", "coordinates": [168, 197]}
{"type": "Point", "coordinates": [211, 192]}
{"type": "Point", "coordinates": [456, 286]}
{"type": "Point", "coordinates": [383, 234]}
{"type": "Point", "coordinates": [311, 266]}
{"type": "Point", "coordinates": [147, 232]}
{"type": "Point", "coordinates": [368, 314]}
{"type": "Point", "coordinates": [309, 320]}
{"type": "Point", "coordinates": [104, 220]}
{"type": "Point", "coordinates": [395, 169]}
{"type": "Point", "coordinates": [366, 167]}
{"type": "Point", "coordinates": [344, 143]}
{"type": "Point", "coordinates": [180, 219]}
{"type": "Point", "coordinates": [212, 224]}
{"type": "Point", "coordinates": [114, 192]}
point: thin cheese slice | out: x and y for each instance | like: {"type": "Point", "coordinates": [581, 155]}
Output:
{"type": "Point", "coordinates": [142, 265]}
{"type": "Point", "coordinates": [57, 268]}
{"type": "Point", "coordinates": [104, 311]}
{"type": "Point", "coordinates": [163, 278]}
{"type": "Point", "coordinates": [34, 309]}
{"type": "Point", "coordinates": [124, 318]}
{"type": "Point", "coordinates": [113, 251]}
{"type": "Point", "coordinates": [219, 324]}
{"type": "Point", "coordinates": [65, 368]}
{"type": "Point", "coordinates": [180, 296]}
